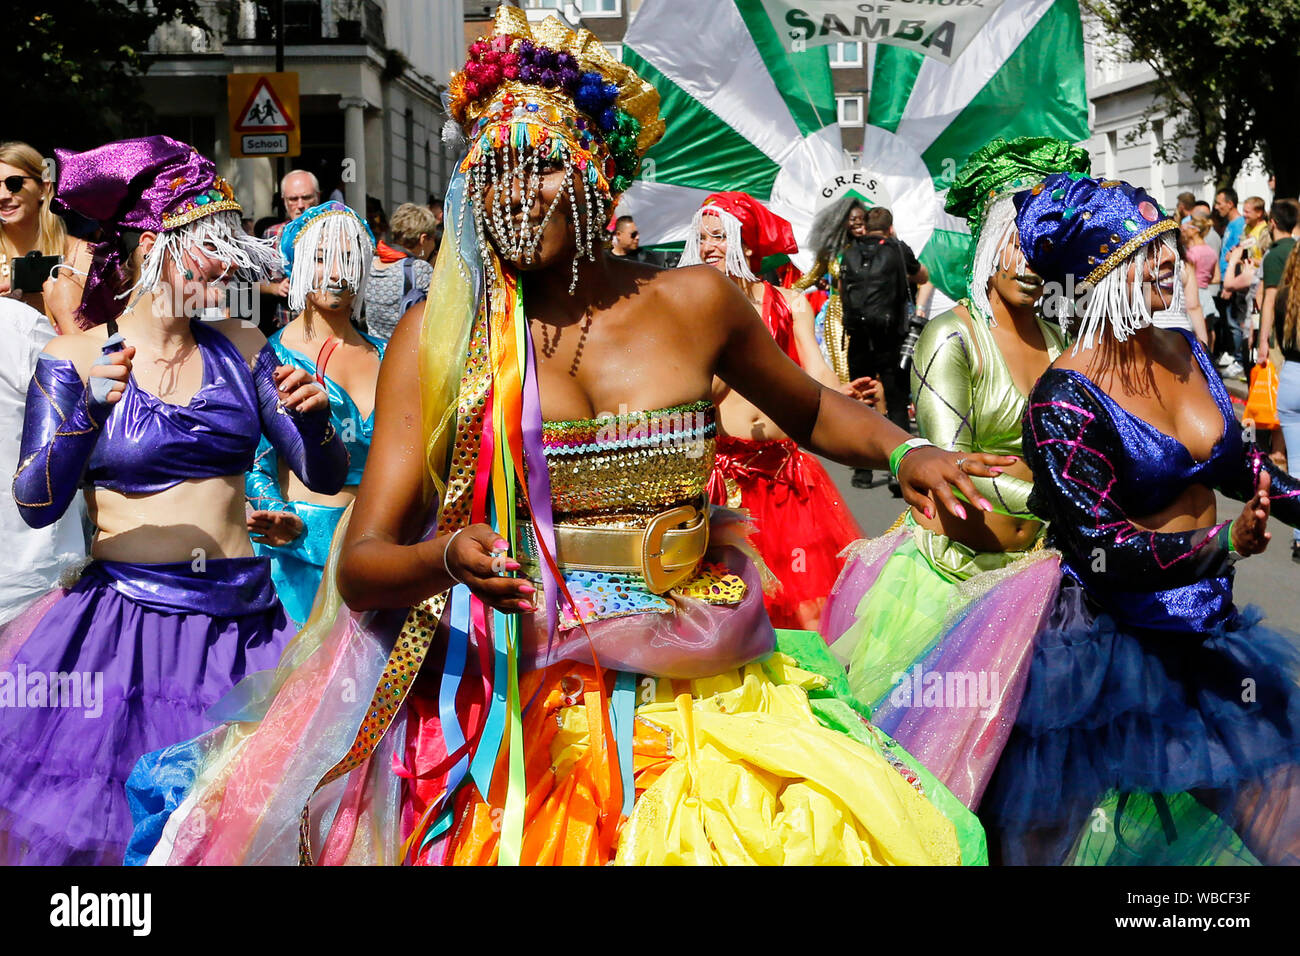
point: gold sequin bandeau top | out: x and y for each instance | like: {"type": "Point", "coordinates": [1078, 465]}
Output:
{"type": "Point", "coordinates": [618, 470]}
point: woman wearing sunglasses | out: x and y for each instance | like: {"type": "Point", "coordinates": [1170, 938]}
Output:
{"type": "Point", "coordinates": [28, 225]}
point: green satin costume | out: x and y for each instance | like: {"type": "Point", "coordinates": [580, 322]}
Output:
{"type": "Point", "coordinates": [966, 400]}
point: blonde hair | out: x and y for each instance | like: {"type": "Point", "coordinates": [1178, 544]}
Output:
{"type": "Point", "coordinates": [51, 236]}
{"type": "Point", "coordinates": [1201, 223]}
{"type": "Point", "coordinates": [409, 222]}
{"type": "Point", "coordinates": [1289, 337]}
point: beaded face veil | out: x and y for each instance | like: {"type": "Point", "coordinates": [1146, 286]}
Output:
{"type": "Point", "coordinates": [532, 102]}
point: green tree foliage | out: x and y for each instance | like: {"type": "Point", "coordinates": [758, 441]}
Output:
{"type": "Point", "coordinates": [1229, 70]}
{"type": "Point", "coordinates": [72, 67]}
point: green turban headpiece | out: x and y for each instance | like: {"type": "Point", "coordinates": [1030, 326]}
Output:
{"type": "Point", "coordinates": [1001, 167]}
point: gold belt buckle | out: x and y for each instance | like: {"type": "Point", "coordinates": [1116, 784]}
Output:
{"type": "Point", "coordinates": [659, 579]}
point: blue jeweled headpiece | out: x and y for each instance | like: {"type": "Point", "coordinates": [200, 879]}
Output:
{"type": "Point", "coordinates": [290, 234]}
{"type": "Point", "coordinates": [342, 238]}
{"type": "Point", "coordinates": [1071, 225]}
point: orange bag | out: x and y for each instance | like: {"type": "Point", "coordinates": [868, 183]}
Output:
{"type": "Point", "coordinates": [1261, 403]}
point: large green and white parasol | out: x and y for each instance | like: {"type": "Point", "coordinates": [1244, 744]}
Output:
{"type": "Point", "coordinates": [749, 102]}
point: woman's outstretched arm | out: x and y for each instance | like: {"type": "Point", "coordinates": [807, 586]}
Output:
{"type": "Point", "coordinates": [825, 421]}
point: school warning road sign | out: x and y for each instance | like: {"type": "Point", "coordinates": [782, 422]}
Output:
{"type": "Point", "coordinates": [263, 114]}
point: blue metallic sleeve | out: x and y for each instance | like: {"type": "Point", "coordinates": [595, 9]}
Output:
{"type": "Point", "coordinates": [308, 442]}
{"type": "Point", "coordinates": [262, 483]}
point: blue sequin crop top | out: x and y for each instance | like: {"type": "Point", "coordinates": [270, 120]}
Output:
{"type": "Point", "coordinates": [1095, 463]}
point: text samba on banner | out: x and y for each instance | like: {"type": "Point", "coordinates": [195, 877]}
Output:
{"type": "Point", "coordinates": [936, 28]}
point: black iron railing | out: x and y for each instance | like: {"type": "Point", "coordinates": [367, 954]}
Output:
{"type": "Point", "coordinates": [305, 21]}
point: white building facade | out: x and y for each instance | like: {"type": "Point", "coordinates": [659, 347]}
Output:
{"type": "Point", "coordinates": [370, 78]}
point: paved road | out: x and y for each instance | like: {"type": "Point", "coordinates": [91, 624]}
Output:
{"type": "Point", "coordinates": [1270, 580]}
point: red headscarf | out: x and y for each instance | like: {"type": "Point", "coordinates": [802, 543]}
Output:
{"type": "Point", "coordinates": [763, 231]}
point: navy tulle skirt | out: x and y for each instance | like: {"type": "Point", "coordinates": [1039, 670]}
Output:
{"type": "Point", "coordinates": [1188, 731]}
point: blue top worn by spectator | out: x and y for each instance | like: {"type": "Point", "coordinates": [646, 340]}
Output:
{"type": "Point", "coordinates": [1232, 234]}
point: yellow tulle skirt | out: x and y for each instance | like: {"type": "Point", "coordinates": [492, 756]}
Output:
{"type": "Point", "coordinates": [729, 770]}
{"type": "Point", "coordinates": [739, 771]}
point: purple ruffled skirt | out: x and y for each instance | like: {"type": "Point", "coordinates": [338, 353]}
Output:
{"type": "Point", "coordinates": [123, 663]}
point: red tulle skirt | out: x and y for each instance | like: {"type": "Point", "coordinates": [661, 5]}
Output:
{"type": "Point", "coordinates": [801, 519]}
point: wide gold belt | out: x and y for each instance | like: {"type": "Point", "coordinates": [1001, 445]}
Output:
{"type": "Point", "coordinates": [662, 552]}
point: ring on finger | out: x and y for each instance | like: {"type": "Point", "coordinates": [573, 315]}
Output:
{"type": "Point", "coordinates": [961, 462]}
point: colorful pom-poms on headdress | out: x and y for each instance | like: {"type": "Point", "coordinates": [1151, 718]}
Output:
{"type": "Point", "coordinates": [613, 102]}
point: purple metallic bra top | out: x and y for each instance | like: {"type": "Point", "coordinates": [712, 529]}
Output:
{"type": "Point", "coordinates": [143, 445]}
{"type": "Point", "coordinates": [148, 445]}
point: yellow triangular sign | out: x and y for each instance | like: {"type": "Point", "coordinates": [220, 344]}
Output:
{"type": "Point", "coordinates": [263, 113]}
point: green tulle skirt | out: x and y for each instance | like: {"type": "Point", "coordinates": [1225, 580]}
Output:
{"type": "Point", "coordinates": [900, 618]}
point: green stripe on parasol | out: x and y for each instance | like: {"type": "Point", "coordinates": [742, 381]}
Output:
{"type": "Point", "coordinates": [803, 79]}
{"type": "Point", "coordinates": [891, 85]}
{"type": "Point", "coordinates": [698, 149]}
{"type": "Point", "coordinates": [945, 256]}
{"type": "Point", "coordinates": [1058, 107]}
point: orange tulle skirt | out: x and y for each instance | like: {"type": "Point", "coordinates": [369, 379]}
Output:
{"type": "Point", "coordinates": [573, 808]}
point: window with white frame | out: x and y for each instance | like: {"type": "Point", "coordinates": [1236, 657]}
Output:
{"type": "Point", "coordinates": [846, 54]}
{"type": "Point", "coordinates": [575, 9]}
{"type": "Point", "coordinates": [615, 50]}
{"type": "Point", "coordinates": [848, 110]}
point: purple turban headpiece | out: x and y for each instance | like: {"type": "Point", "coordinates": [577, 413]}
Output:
{"type": "Point", "coordinates": [1077, 231]}
{"type": "Point", "coordinates": [152, 184]}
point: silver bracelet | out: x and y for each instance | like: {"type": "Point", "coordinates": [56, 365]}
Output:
{"type": "Point", "coordinates": [446, 565]}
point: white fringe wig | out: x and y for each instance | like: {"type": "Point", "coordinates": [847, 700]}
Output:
{"type": "Point", "coordinates": [219, 236]}
{"type": "Point", "coordinates": [736, 264]}
{"type": "Point", "coordinates": [1121, 303]}
{"type": "Point", "coordinates": [343, 243]}
{"type": "Point", "coordinates": [999, 226]}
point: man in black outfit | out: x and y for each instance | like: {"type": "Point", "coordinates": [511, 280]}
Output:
{"type": "Point", "coordinates": [626, 243]}
{"type": "Point", "coordinates": [874, 288]}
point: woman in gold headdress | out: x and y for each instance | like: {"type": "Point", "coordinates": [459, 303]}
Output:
{"type": "Point", "coordinates": [562, 428]}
